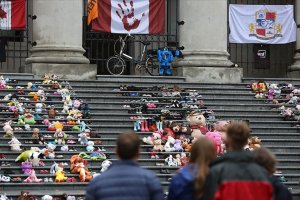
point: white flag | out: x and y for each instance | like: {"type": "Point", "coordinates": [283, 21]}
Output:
{"type": "Point", "coordinates": [267, 24]}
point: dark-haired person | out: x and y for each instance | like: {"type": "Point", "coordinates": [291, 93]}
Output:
{"type": "Point", "coordinates": [268, 160]}
{"type": "Point", "coordinates": [188, 183]}
{"type": "Point", "coordinates": [125, 179]}
{"type": "Point", "coordinates": [236, 175]}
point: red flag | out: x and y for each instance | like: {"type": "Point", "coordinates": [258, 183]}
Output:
{"type": "Point", "coordinates": [12, 15]}
{"type": "Point", "coordinates": [130, 16]}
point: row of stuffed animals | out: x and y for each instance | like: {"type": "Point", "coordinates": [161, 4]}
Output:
{"type": "Point", "coordinates": [25, 195]}
{"type": "Point", "coordinates": [45, 113]}
{"type": "Point", "coordinates": [290, 109]}
{"type": "Point", "coordinates": [175, 136]}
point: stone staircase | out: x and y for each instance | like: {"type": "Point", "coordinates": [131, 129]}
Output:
{"type": "Point", "coordinates": [109, 118]}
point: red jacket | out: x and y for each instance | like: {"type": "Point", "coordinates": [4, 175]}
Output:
{"type": "Point", "coordinates": [236, 176]}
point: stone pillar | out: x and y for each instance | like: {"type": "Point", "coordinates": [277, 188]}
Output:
{"type": "Point", "coordinates": [294, 70]}
{"type": "Point", "coordinates": [57, 31]}
{"type": "Point", "coordinates": [204, 36]}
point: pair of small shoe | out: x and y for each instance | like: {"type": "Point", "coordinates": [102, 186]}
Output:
{"type": "Point", "coordinates": [48, 180]}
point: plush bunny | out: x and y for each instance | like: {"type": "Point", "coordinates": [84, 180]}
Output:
{"type": "Point", "coordinates": [15, 144]}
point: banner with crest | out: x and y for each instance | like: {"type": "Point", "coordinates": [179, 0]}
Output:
{"type": "Point", "coordinates": [267, 24]}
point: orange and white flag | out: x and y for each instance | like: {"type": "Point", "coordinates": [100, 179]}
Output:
{"type": "Point", "coordinates": [92, 10]}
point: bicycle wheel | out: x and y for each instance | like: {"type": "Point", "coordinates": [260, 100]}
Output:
{"type": "Point", "coordinates": [115, 65]}
{"type": "Point", "coordinates": [152, 66]}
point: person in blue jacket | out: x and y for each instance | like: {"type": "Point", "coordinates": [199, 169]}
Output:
{"type": "Point", "coordinates": [188, 183]}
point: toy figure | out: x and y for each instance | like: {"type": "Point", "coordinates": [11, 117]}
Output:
{"type": "Point", "coordinates": [15, 144]}
{"type": "Point", "coordinates": [26, 167]}
{"type": "Point", "coordinates": [170, 161]}
{"type": "Point", "coordinates": [178, 161]}
{"type": "Point", "coordinates": [60, 176]}
{"type": "Point", "coordinates": [32, 178]}
{"type": "Point", "coordinates": [78, 166]}
{"type": "Point", "coordinates": [105, 165]}
{"type": "Point", "coordinates": [8, 129]}
{"type": "Point", "coordinates": [90, 147]}
{"type": "Point", "coordinates": [169, 146]}
{"type": "Point", "coordinates": [65, 108]}
{"type": "Point", "coordinates": [38, 108]}
{"type": "Point", "coordinates": [60, 136]}
{"type": "Point", "coordinates": [215, 138]}
{"type": "Point", "coordinates": [35, 133]}
{"type": "Point", "coordinates": [24, 155]}
{"type": "Point", "coordinates": [165, 57]}
{"type": "Point", "coordinates": [83, 126]}
{"type": "Point", "coordinates": [197, 123]}
{"type": "Point", "coordinates": [52, 112]}
{"type": "Point", "coordinates": [84, 138]}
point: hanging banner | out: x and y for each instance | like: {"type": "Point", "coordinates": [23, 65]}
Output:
{"type": "Point", "coordinates": [267, 24]}
{"type": "Point", "coordinates": [92, 10]}
{"type": "Point", "coordinates": [130, 16]}
{"type": "Point", "coordinates": [12, 15]}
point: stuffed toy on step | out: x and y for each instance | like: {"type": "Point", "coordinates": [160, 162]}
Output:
{"type": "Point", "coordinates": [24, 155]}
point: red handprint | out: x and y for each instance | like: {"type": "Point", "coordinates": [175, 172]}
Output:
{"type": "Point", "coordinates": [129, 20]}
{"type": "Point", "coordinates": [2, 13]}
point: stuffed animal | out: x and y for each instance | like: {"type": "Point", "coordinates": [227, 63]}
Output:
{"type": "Point", "coordinates": [105, 165]}
{"type": "Point", "coordinates": [221, 126]}
{"type": "Point", "coordinates": [90, 147]}
{"type": "Point", "coordinates": [293, 100]}
{"type": "Point", "coordinates": [56, 167]}
{"type": "Point", "coordinates": [186, 145]}
{"type": "Point", "coordinates": [178, 161]}
{"type": "Point", "coordinates": [78, 166]}
{"type": "Point", "coordinates": [60, 176]}
{"type": "Point", "coordinates": [177, 145]}
{"type": "Point", "coordinates": [185, 129]}
{"type": "Point", "coordinates": [166, 133]}
{"type": "Point", "coordinates": [3, 196]}
{"type": "Point", "coordinates": [52, 112]}
{"type": "Point", "coordinates": [60, 136]}
{"type": "Point", "coordinates": [64, 148]}
{"type": "Point", "coordinates": [197, 123]}
{"type": "Point", "coordinates": [170, 161]}
{"type": "Point", "coordinates": [24, 195]}
{"type": "Point", "coordinates": [184, 159]}
{"type": "Point", "coordinates": [83, 138]}
{"type": "Point", "coordinates": [35, 158]}
{"type": "Point", "coordinates": [32, 178]}
{"type": "Point", "coordinates": [38, 108]}
{"type": "Point", "coordinates": [47, 197]}
{"type": "Point", "coordinates": [254, 143]}
{"type": "Point", "coordinates": [58, 125]}
{"type": "Point", "coordinates": [25, 155]}
{"type": "Point", "coordinates": [66, 108]}
{"type": "Point", "coordinates": [35, 133]}
{"type": "Point", "coordinates": [169, 146]}
{"type": "Point", "coordinates": [215, 138]}
{"type": "Point", "coordinates": [15, 144]}
{"type": "Point", "coordinates": [8, 129]}
{"type": "Point", "coordinates": [26, 167]}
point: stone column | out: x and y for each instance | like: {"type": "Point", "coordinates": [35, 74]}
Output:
{"type": "Point", "coordinates": [294, 70]}
{"type": "Point", "coordinates": [204, 36]}
{"type": "Point", "coordinates": [57, 31]}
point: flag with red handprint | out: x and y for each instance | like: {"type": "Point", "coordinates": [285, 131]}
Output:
{"type": "Point", "coordinates": [130, 16]}
{"type": "Point", "coordinates": [12, 15]}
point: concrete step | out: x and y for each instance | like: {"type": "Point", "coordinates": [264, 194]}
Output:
{"type": "Point", "coordinates": [135, 79]}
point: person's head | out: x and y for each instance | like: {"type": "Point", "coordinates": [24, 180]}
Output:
{"type": "Point", "coordinates": [266, 159]}
{"type": "Point", "coordinates": [238, 133]}
{"type": "Point", "coordinates": [128, 145]}
{"type": "Point", "coordinates": [202, 153]}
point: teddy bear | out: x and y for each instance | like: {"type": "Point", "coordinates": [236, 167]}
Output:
{"type": "Point", "coordinates": [197, 123]}
{"type": "Point", "coordinates": [90, 147]}
{"type": "Point", "coordinates": [15, 144]}
{"type": "Point", "coordinates": [254, 143]}
{"type": "Point", "coordinates": [52, 112]}
{"type": "Point", "coordinates": [215, 138]}
{"type": "Point", "coordinates": [35, 133]}
{"type": "Point", "coordinates": [169, 146]}
{"type": "Point", "coordinates": [8, 129]}
{"type": "Point", "coordinates": [151, 139]}
{"type": "Point", "coordinates": [175, 127]}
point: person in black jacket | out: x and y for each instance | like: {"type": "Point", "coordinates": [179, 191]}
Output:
{"type": "Point", "coordinates": [267, 159]}
{"type": "Point", "coordinates": [236, 175]}
{"type": "Point", "coordinates": [125, 179]}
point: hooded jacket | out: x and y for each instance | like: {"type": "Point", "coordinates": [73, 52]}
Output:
{"type": "Point", "coordinates": [236, 176]}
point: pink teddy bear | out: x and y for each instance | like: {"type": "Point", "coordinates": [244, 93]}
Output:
{"type": "Point", "coordinates": [216, 139]}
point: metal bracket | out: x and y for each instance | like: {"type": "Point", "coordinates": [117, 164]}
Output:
{"type": "Point", "coordinates": [180, 23]}
{"type": "Point", "coordinates": [33, 17]}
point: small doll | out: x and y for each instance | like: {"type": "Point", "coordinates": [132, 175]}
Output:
{"type": "Point", "coordinates": [60, 136]}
